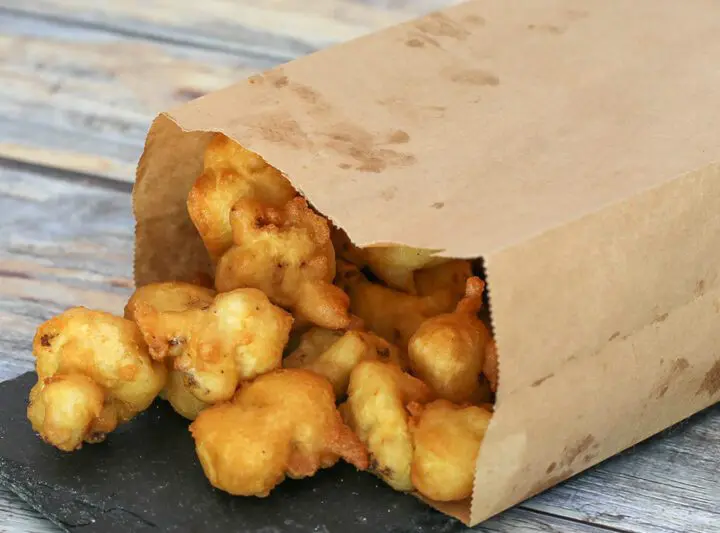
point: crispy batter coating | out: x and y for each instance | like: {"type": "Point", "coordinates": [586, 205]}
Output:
{"type": "Point", "coordinates": [444, 283]}
{"type": "Point", "coordinates": [490, 367]}
{"type": "Point", "coordinates": [396, 265]}
{"type": "Point", "coordinates": [393, 315]}
{"type": "Point", "coordinates": [448, 351]}
{"type": "Point", "coordinates": [180, 396]}
{"type": "Point", "coordinates": [447, 440]}
{"type": "Point", "coordinates": [230, 174]}
{"type": "Point", "coordinates": [214, 342]}
{"type": "Point", "coordinates": [333, 354]}
{"type": "Point", "coordinates": [94, 372]}
{"type": "Point", "coordinates": [170, 296]}
{"type": "Point", "coordinates": [375, 409]}
{"type": "Point", "coordinates": [283, 423]}
{"type": "Point", "coordinates": [287, 253]}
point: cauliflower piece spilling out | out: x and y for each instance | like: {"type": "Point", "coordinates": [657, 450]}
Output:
{"type": "Point", "coordinates": [444, 283]}
{"type": "Point", "coordinates": [94, 373]}
{"type": "Point", "coordinates": [447, 439]}
{"type": "Point", "coordinates": [396, 265]}
{"type": "Point", "coordinates": [407, 269]}
{"type": "Point", "coordinates": [448, 351]}
{"type": "Point", "coordinates": [231, 173]}
{"type": "Point", "coordinates": [284, 423]}
{"type": "Point", "coordinates": [333, 354]}
{"type": "Point", "coordinates": [212, 342]}
{"type": "Point", "coordinates": [392, 314]}
{"type": "Point", "coordinates": [287, 253]}
{"type": "Point", "coordinates": [376, 410]}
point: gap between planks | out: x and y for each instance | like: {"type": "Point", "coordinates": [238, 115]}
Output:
{"type": "Point", "coordinates": [125, 31]}
{"type": "Point", "coordinates": [67, 174]}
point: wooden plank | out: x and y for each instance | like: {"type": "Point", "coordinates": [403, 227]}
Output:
{"type": "Point", "coordinates": [63, 243]}
{"type": "Point", "coordinates": [80, 81]}
{"type": "Point", "coordinates": [668, 484]}
{"type": "Point", "coordinates": [526, 521]}
{"type": "Point", "coordinates": [285, 28]}
{"type": "Point", "coordinates": [82, 99]}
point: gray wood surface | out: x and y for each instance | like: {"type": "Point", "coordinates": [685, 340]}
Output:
{"type": "Point", "coordinates": [80, 81]}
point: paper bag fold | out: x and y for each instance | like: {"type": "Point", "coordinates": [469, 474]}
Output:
{"type": "Point", "coordinates": [571, 144]}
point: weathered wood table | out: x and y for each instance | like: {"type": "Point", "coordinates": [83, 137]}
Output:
{"type": "Point", "coordinates": [81, 81]}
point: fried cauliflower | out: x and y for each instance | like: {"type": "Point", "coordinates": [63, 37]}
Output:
{"type": "Point", "coordinates": [214, 342]}
{"type": "Point", "coordinates": [448, 351]}
{"type": "Point", "coordinates": [393, 315]}
{"type": "Point", "coordinates": [444, 283]}
{"type": "Point", "coordinates": [333, 354]}
{"type": "Point", "coordinates": [376, 410]}
{"type": "Point", "coordinates": [447, 440]}
{"type": "Point", "coordinates": [396, 265]}
{"type": "Point", "coordinates": [287, 253]}
{"type": "Point", "coordinates": [284, 423]}
{"type": "Point", "coordinates": [231, 173]}
{"type": "Point", "coordinates": [94, 373]}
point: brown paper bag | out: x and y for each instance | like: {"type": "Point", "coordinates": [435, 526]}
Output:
{"type": "Point", "coordinates": [571, 144]}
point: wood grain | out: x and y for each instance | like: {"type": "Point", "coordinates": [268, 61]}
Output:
{"type": "Point", "coordinates": [668, 484]}
{"type": "Point", "coordinates": [80, 81]}
{"type": "Point", "coordinates": [63, 243]}
{"type": "Point", "coordinates": [283, 28]}
{"type": "Point", "coordinates": [82, 99]}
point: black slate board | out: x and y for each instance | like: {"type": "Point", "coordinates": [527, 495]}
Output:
{"type": "Point", "coordinates": [146, 478]}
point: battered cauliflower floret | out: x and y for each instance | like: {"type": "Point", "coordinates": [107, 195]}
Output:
{"type": "Point", "coordinates": [392, 314]}
{"type": "Point", "coordinates": [376, 410]}
{"type": "Point", "coordinates": [396, 265]}
{"type": "Point", "coordinates": [284, 423]}
{"type": "Point", "coordinates": [287, 253]}
{"type": "Point", "coordinates": [444, 283]}
{"type": "Point", "coordinates": [231, 173]}
{"type": "Point", "coordinates": [447, 440]}
{"type": "Point", "coordinates": [181, 398]}
{"type": "Point", "coordinates": [448, 351]}
{"type": "Point", "coordinates": [333, 354]}
{"type": "Point", "coordinates": [94, 373]}
{"type": "Point", "coordinates": [212, 342]}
